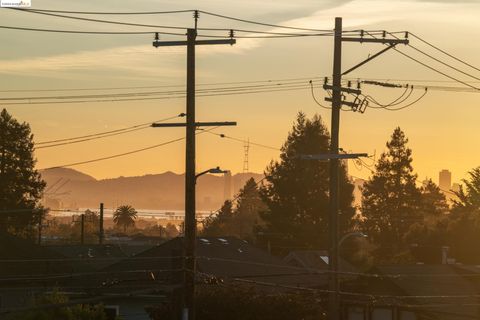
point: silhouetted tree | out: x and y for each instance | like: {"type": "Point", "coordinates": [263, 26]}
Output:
{"type": "Point", "coordinates": [434, 203]}
{"type": "Point", "coordinates": [391, 201]}
{"type": "Point", "coordinates": [239, 221]}
{"type": "Point", "coordinates": [464, 226]}
{"type": "Point", "coordinates": [427, 236]}
{"type": "Point", "coordinates": [296, 191]}
{"type": "Point", "coordinates": [21, 185]}
{"type": "Point", "coordinates": [218, 225]}
{"type": "Point", "coordinates": [124, 216]}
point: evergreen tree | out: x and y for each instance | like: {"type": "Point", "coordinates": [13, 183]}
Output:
{"type": "Point", "coordinates": [219, 224]}
{"type": "Point", "coordinates": [434, 203]}
{"type": "Point", "coordinates": [464, 226]}
{"type": "Point", "coordinates": [239, 221]}
{"type": "Point", "coordinates": [21, 185]}
{"type": "Point", "coordinates": [296, 191]}
{"type": "Point", "coordinates": [391, 201]}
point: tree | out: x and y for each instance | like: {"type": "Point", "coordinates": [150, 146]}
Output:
{"type": "Point", "coordinates": [464, 226]}
{"type": "Point", "coordinates": [391, 201]}
{"type": "Point", "coordinates": [239, 221]}
{"type": "Point", "coordinates": [21, 186]}
{"type": "Point", "coordinates": [219, 225]}
{"type": "Point", "coordinates": [427, 236]}
{"type": "Point", "coordinates": [75, 312]}
{"type": "Point", "coordinates": [296, 192]}
{"type": "Point", "coordinates": [125, 216]}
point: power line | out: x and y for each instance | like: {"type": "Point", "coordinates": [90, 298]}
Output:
{"type": "Point", "coordinates": [241, 92]}
{"type": "Point", "coordinates": [84, 32]}
{"type": "Point", "coordinates": [315, 99]}
{"type": "Point", "coordinates": [429, 67]}
{"type": "Point", "coordinates": [121, 154]}
{"type": "Point", "coordinates": [106, 133]}
{"type": "Point", "coordinates": [111, 13]}
{"type": "Point", "coordinates": [444, 52]}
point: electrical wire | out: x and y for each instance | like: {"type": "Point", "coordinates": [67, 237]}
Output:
{"type": "Point", "coordinates": [443, 51]}
{"type": "Point", "coordinates": [394, 102]}
{"type": "Point", "coordinates": [108, 133]}
{"type": "Point", "coordinates": [85, 32]}
{"type": "Point", "coordinates": [122, 154]}
{"type": "Point", "coordinates": [293, 88]}
{"type": "Point", "coordinates": [410, 104]}
{"type": "Point", "coordinates": [111, 13]}
{"type": "Point", "coordinates": [431, 68]}
{"type": "Point", "coordinates": [440, 61]}
{"type": "Point", "coordinates": [259, 23]}
{"type": "Point", "coordinates": [315, 99]}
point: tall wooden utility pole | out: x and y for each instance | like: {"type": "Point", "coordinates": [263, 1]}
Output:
{"type": "Point", "coordinates": [191, 125]}
{"type": "Point", "coordinates": [337, 102]}
{"type": "Point", "coordinates": [101, 231]}
{"type": "Point", "coordinates": [334, 181]}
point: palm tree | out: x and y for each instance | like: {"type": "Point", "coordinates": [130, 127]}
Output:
{"type": "Point", "coordinates": [125, 216]}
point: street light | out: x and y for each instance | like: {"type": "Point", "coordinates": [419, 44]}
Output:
{"type": "Point", "coordinates": [216, 170]}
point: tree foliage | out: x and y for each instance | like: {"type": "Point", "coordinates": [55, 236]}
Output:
{"type": "Point", "coordinates": [75, 312]}
{"type": "Point", "coordinates": [464, 226]}
{"type": "Point", "coordinates": [125, 216]}
{"type": "Point", "coordinates": [21, 185]}
{"type": "Point", "coordinates": [391, 201]}
{"type": "Point", "coordinates": [240, 303]}
{"type": "Point", "coordinates": [296, 191]}
{"type": "Point", "coordinates": [239, 218]}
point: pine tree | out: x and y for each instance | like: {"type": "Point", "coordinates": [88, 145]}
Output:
{"type": "Point", "coordinates": [21, 185]}
{"type": "Point", "coordinates": [296, 191]}
{"type": "Point", "coordinates": [240, 221]}
{"type": "Point", "coordinates": [391, 201]}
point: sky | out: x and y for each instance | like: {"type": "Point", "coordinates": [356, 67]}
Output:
{"type": "Point", "coordinates": [442, 127]}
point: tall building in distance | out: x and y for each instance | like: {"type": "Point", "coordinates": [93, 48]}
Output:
{"type": "Point", "coordinates": [445, 180]}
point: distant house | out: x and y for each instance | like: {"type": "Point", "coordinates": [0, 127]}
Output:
{"type": "Point", "coordinates": [158, 271]}
{"type": "Point", "coordinates": [413, 292]}
{"type": "Point", "coordinates": [27, 270]}
{"type": "Point", "coordinates": [315, 260]}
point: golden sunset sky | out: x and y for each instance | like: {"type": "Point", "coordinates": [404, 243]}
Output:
{"type": "Point", "coordinates": [442, 127]}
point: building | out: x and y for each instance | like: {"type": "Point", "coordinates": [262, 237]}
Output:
{"type": "Point", "coordinates": [445, 180]}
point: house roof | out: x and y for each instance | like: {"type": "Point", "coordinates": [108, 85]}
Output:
{"type": "Point", "coordinates": [315, 260]}
{"type": "Point", "coordinates": [20, 258]}
{"type": "Point", "coordinates": [431, 289]}
{"type": "Point", "coordinates": [222, 257]}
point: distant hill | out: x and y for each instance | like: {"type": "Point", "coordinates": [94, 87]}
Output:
{"type": "Point", "coordinates": [153, 191]}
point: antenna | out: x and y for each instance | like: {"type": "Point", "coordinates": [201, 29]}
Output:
{"type": "Point", "coordinates": [246, 147]}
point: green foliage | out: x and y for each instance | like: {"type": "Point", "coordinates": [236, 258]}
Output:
{"type": "Point", "coordinates": [240, 303]}
{"type": "Point", "coordinates": [297, 191]}
{"type": "Point", "coordinates": [125, 216]}
{"type": "Point", "coordinates": [391, 202]}
{"type": "Point", "coordinates": [21, 186]}
{"type": "Point", "coordinates": [240, 221]}
{"type": "Point", "coordinates": [464, 227]}
{"type": "Point", "coordinates": [75, 312]}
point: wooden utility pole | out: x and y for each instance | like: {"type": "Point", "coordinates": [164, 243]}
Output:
{"type": "Point", "coordinates": [101, 231]}
{"type": "Point", "coordinates": [191, 125]}
{"type": "Point", "coordinates": [82, 229]}
{"type": "Point", "coordinates": [334, 173]}
{"type": "Point", "coordinates": [337, 102]}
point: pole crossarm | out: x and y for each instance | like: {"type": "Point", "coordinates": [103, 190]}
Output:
{"type": "Point", "coordinates": [391, 46]}
{"type": "Point", "coordinates": [328, 156]}
{"type": "Point", "coordinates": [346, 103]}
{"type": "Point", "coordinates": [197, 124]}
{"type": "Point", "coordinates": [348, 90]}
{"type": "Point", "coordinates": [157, 43]}
{"type": "Point", "coordinates": [383, 41]}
